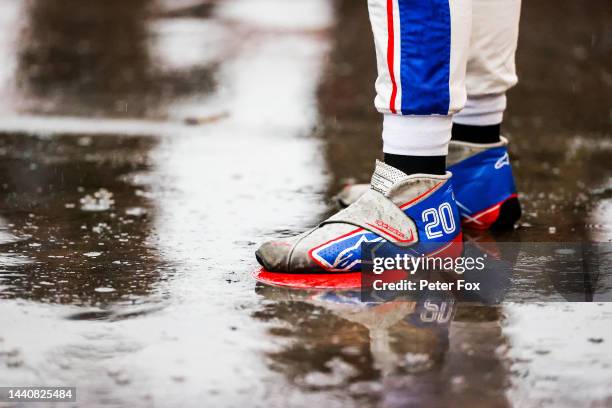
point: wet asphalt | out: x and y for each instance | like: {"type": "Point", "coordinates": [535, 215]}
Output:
{"type": "Point", "coordinates": [147, 148]}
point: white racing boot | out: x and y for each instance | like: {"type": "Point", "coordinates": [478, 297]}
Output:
{"type": "Point", "coordinates": [397, 208]}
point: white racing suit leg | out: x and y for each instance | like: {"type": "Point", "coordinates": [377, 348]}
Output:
{"type": "Point", "coordinates": [491, 69]}
{"type": "Point", "coordinates": [421, 52]}
{"type": "Point", "coordinates": [405, 90]}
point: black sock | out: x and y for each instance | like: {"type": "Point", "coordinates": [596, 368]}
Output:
{"type": "Point", "coordinates": [417, 164]}
{"type": "Point", "coordinates": [476, 134]}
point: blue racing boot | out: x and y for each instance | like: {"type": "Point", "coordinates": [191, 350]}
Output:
{"type": "Point", "coordinates": [484, 185]}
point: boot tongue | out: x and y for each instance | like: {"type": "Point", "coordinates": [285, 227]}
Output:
{"type": "Point", "coordinates": [385, 177]}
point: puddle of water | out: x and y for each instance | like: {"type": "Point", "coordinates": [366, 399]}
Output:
{"type": "Point", "coordinates": [148, 286]}
{"type": "Point", "coordinates": [554, 345]}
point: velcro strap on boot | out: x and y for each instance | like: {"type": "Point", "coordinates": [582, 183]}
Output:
{"type": "Point", "coordinates": [376, 213]}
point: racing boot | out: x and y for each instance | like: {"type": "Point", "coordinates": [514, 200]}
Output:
{"type": "Point", "coordinates": [406, 210]}
{"type": "Point", "coordinates": [483, 183]}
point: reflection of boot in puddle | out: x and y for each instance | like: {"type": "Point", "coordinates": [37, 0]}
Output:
{"type": "Point", "coordinates": [401, 337]}
{"type": "Point", "coordinates": [408, 342]}
{"type": "Point", "coordinates": [422, 353]}
{"type": "Point", "coordinates": [379, 321]}
{"type": "Point", "coordinates": [421, 339]}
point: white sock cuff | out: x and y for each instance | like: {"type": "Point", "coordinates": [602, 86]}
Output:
{"type": "Point", "coordinates": [413, 135]}
{"type": "Point", "coordinates": [482, 110]}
